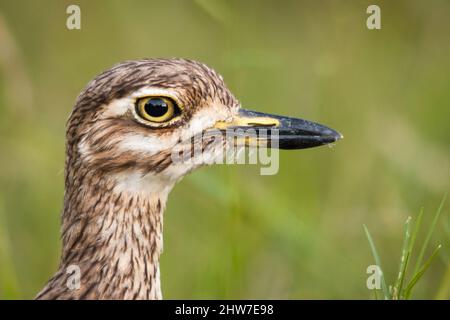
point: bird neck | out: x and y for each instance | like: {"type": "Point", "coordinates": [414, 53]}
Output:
{"type": "Point", "coordinates": [113, 238]}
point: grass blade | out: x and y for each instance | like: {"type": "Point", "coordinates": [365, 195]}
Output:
{"type": "Point", "coordinates": [416, 230]}
{"type": "Point", "coordinates": [428, 237]}
{"type": "Point", "coordinates": [420, 273]}
{"type": "Point", "coordinates": [404, 259]}
{"type": "Point", "coordinates": [412, 242]}
{"type": "Point", "coordinates": [378, 262]}
{"type": "Point", "coordinates": [403, 277]}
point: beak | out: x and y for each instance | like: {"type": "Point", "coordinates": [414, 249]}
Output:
{"type": "Point", "coordinates": [277, 131]}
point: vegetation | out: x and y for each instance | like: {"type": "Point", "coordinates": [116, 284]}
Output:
{"type": "Point", "coordinates": [401, 289]}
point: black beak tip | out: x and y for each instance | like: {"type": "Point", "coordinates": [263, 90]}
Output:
{"type": "Point", "coordinates": [311, 140]}
{"type": "Point", "coordinates": [331, 135]}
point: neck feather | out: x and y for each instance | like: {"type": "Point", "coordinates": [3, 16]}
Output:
{"type": "Point", "coordinates": [112, 241]}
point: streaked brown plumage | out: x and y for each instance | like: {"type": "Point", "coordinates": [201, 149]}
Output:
{"type": "Point", "coordinates": [119, 171]}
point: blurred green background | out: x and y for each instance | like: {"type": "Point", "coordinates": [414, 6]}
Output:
{"type": "Point", "coordinates": [230, 232]}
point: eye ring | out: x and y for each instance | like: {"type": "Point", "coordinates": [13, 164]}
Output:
{"type": "Point", "coordinates": [157, 109]}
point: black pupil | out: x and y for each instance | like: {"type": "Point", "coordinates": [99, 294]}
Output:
{"type": "Point", "coordinates": [156, 107]}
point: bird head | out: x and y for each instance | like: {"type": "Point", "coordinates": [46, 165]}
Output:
{"type": "Point", "coordinates": [129, 120]}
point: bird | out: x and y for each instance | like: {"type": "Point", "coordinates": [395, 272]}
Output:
{"type": "Point", "coordinates": [119, 168]}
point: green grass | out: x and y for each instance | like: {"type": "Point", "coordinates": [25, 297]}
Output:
{"type": "Point", "coordinates": [399, 290]}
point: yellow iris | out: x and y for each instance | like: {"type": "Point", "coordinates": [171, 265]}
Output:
{"type": "Point", "coordinates": [156, 109]}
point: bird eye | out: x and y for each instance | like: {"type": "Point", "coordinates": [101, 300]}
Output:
{"type": "Point", "coordinates": [157, 109]}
